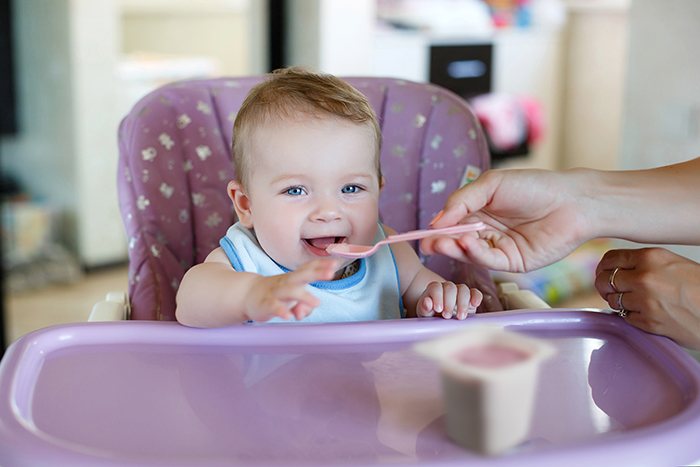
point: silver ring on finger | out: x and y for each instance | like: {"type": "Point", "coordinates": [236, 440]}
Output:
{"type": "Point", "coordinates": [611, 280]}
{"type": "Point", "coordinates": [621, 312]}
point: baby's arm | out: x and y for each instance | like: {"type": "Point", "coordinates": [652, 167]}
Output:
{"type": "Point", "coordinates": [425, 293]}
{"type": "Point", "coordinates": [214, 294]}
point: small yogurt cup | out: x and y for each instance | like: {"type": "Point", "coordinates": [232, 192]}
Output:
{"type": "Point", "coordinates": [489, 380]}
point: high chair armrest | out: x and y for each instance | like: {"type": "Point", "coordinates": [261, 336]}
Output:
{"type": "Point", "coordinates": [514, 298]}
{"type": "Point", "coordinates": [115, 307]}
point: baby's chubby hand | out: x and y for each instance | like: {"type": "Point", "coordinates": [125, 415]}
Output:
{"type": "Point", "coordinates": [285, 295]}
{"type": "Point", "coordinates": [448, 299]}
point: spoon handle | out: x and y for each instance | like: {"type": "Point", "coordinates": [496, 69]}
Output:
{"type": "Point", "coordinates": [418, 234]}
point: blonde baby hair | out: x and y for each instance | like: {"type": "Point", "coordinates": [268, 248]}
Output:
{"type": "Point", "coordinates": [290, 92]}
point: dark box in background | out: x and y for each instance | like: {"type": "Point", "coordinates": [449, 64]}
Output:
{"type": "Point", "coordinates": [464, 69]}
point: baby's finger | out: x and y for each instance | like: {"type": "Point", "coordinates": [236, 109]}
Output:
{"type": "Point", "coordinates": [425, 307]}
{"type": "Point", "coordinates": [321, 269]}
{"type": "Point", "coordinates": [296, 293]}
{"type": "Point", "coordinates": [463, 301]}
{"type": "Point", "coordinates": [301, 311]}
{"type": "Point", "coordinates": [475, 298]}
{"type": "Point", "coordinates": [435, 292]}
{"type": "Point", "coordinates": [280, 310]}
{"type": "Point", "coordinates": [449, 299]}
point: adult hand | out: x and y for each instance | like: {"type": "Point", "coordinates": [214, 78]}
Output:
{"type": "Point", "coordinates": [659, 290]}
{"type": "Point", "coordinates": [534, 217]}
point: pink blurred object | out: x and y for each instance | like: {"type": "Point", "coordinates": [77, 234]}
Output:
{"type": "Point", "coordinates": [509, 120]}
{"type": "Point", "coordinates": [490, 355]}
{"type": "Point", "coordinates": [534, 117]}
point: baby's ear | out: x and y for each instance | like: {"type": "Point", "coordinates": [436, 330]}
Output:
{"type": "Point", "coordinates": [381, 182]}
{"type": "Point", "coordinates": [241, 203]}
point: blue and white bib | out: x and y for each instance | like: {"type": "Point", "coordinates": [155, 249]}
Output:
{"type": "Point", "coordinates": [371, 293]}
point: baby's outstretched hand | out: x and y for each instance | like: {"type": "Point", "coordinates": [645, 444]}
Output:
{"type": "Point", "coordinates": [448, 299]}
{"type": "Point", "coordinates": [285, 295]}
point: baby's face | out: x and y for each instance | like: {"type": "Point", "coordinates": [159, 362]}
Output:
{"type": "Point", "coordinates": [311, 183]}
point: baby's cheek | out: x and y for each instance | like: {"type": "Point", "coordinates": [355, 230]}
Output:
{"type": "Point", "coordinates": [368, 232]}
{"type": "Point", "coordinates": [279, 248]}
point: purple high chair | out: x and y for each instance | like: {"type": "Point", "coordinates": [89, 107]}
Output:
{"type": "Point", "coordinates": [176, 161]}
{"type": "Point", "coordinates": [148, 391]}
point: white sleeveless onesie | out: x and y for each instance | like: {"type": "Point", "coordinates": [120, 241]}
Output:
{"type": "Point", "coordinates": [371, 293]}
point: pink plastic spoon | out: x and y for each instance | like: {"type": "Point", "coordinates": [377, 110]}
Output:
{"type": "Point", "coordinates": [348, 250]}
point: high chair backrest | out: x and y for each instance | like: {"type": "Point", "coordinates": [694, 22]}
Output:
{"type": "Point", "coordinates": [175, 163]}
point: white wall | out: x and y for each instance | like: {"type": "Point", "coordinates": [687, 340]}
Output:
{"type": "Point", "coordinates": [596, 62]}
{"type": "Point", "coordinates": [332, 36]}
{"type": "Point", "coordinates": [94, 52]}
{"type": "Point", "coordinates": [662, 98]}
{"type": "Point", "coordinates": [193, 33]}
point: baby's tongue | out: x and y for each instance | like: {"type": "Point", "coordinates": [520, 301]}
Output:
{"type": "Point", "coordinates": [322, 242]}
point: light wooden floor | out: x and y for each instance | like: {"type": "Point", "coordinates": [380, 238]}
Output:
{"type": "Point", "coordinates": [58, 304]}
{"type": "Point", "coordinates": [28, 311]}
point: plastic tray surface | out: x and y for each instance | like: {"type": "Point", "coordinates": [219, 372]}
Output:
{"type": "Point", "coordinates": [148, 393]}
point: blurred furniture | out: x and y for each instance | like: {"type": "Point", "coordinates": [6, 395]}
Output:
{"type": "Point", "coordinates": [65, 152]}
{"type": "Point", "coordinates": [519, 62]}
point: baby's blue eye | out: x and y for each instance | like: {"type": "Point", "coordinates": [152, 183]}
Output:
{"type": "Point", "coordinates": [348, 189]}
{"type": "Point", "coordinates": [295, 191]}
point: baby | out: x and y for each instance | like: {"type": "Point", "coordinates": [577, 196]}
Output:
{"type": "Point", "coordinates": [306, 152]}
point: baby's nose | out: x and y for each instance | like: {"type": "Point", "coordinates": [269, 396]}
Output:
{"type": "Point", "coordinates": [326, 211]}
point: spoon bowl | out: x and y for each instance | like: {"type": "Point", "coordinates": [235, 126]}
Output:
{"type": "Point", "coordinates": [348, 250]}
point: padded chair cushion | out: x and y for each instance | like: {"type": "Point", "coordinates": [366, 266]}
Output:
{"type": "Point", "coordinates": [175, 163]}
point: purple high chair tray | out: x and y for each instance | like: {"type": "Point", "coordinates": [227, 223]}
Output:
{"type": "Point", "coordinates": [148, 393]}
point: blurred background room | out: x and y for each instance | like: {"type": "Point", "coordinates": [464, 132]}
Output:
{"type": "Point", "coordinates": [607, 84]}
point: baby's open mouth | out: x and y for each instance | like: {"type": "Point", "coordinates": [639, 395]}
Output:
{"type": "Point", "coordinates": [322, 242]}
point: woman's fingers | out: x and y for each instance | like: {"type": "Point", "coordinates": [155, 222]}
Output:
{"type": "Point", "coordinates": [613, 281]}
{"type": "Point", "coordinates": [623, 259]}
{"type": "Point", "coordinates": [492, 251]}
{"type": "Point", "coordinates": [467, 200]}
{"type": "Point", "coordinates": [449, 247]}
